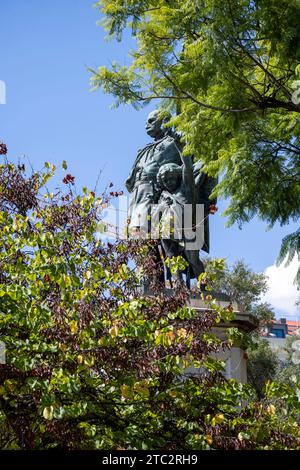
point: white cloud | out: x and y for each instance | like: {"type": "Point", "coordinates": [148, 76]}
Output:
{"type": "Point", "coordinates": [282, 293]}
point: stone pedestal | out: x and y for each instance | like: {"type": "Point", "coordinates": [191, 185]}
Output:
{"type": "Point", "coordinates": [235, 358]}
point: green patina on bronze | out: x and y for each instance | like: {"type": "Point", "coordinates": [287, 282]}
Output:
{"type": "Point", "coordinates": [162, 176]}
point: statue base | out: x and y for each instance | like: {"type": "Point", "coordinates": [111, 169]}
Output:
{"type": "Point", "coordinates": [235, 358]}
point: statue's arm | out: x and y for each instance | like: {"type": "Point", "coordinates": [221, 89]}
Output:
{"type": "Point", "coordinates": [198, 175]}
{"type": "Point", "coordinates": [188, 179]}
{"type": "Point", "coordinates": [187, 170]}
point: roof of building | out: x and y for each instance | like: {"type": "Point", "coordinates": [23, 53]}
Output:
{"type": "Point", "coordinates": [293, 327]}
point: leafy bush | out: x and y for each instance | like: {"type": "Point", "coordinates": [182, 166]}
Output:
{"type": "Point", "coordinates": [91, 362]}
{"type": "Point", "coordinates": [262, 365]}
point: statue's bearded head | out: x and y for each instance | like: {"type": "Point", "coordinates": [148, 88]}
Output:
{"type": "Point", "coordinates": [154, 126]}
{"type": "Point", "coordinates": [168, 176]}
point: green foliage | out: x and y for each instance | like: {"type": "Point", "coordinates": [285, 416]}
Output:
{"type": "Point", "coordinates": [289, 371]}
{"type": "Point", "coordinates": [290, 247]}
{"type": "Point", "coordinates": [262, 365]}
{"type": "Point", "coordinates": [229, 73]}
{"type": "Point", "coordinates": [93, 364]}
{"type": "Point", "coordinates": [242, 285]}
{"type": "Point", "coordinates": [176, 264]}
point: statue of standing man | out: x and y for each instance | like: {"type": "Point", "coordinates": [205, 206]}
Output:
{"type": "Point", "coordinates": [162, 177]}
{"type": "Point", "coordinates": [142, 182]}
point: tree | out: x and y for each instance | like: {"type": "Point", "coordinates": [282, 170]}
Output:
{"type": "Point", "coordinates": [288, 371]}
{"type": "Point", "coordinates": [242, 285]}
{"type": "Point", "coordinates": [262, 366]}
{"type": "Point", "coordinates": [229, 72]}
{"type": "Point", "coordinates": [91, 363]}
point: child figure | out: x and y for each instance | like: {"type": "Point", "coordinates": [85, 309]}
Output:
{"type": "Point", "coordinates": [178, 197]}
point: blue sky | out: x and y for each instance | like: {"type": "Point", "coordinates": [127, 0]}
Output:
{"type": "Point", "coordinates": [51, 114]}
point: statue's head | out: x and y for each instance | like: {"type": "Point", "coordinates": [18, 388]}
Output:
{"type": "Point", "coordinates": [154, 125]}
{"type": "Point", "coordinates": [169, 176]}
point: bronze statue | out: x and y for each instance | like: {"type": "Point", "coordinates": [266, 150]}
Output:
{"type": "Point", "coordinates": [142, 181]}
{"type": "Point", "coordinates": [163, 181]}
